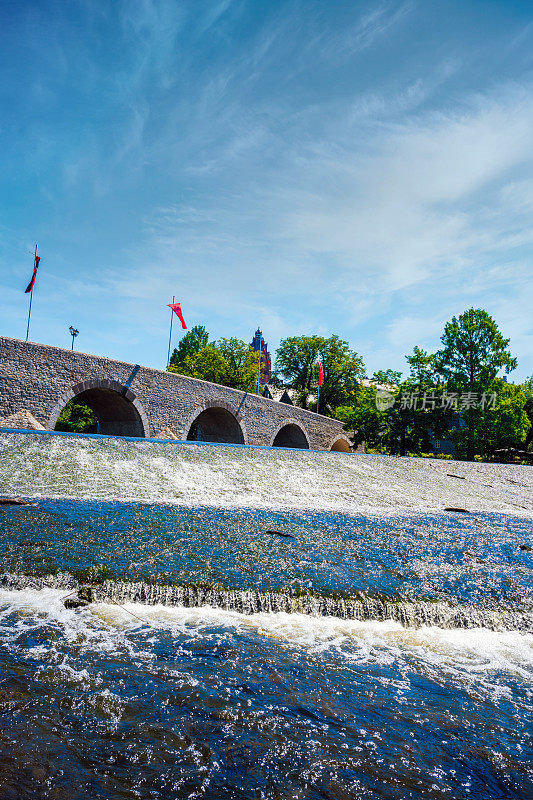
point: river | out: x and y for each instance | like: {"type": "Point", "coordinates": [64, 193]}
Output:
{"type": "Point", "coordinates": [262, 624]}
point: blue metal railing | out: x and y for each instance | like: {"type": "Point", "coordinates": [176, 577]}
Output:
{"type": "Point", "coordinates": [164, 441]}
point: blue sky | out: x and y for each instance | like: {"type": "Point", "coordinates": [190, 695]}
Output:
{"type": "Point", "coordinates": [359, 168]}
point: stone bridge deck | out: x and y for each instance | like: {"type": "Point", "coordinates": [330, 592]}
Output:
{"type": "Point", "coordinates": [43, 379]}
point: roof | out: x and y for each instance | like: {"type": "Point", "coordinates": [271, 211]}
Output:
{"type": "Point", "coordinates": [368, 383]}
{"type": "Point", "coordinates": [280, 395]}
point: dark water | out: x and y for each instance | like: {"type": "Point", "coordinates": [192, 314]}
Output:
{"type": "Point", "coordinates": [141, 701]}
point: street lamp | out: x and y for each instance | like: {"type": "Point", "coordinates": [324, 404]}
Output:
{"type": "Point", "coordinates": [73, 332]}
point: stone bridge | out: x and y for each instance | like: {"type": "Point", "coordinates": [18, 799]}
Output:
{"type": "Point", "coordinates": [129, 400]}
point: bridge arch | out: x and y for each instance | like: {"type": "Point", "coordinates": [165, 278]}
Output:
{"type": "Point", "coordinates": [290, 433]}
{"type": "Point", "coordinates": [216, 421]}
{"type": "Point", "coordinates": [118, 411]}
{"type": "Point", "coordinates": [340, 444]}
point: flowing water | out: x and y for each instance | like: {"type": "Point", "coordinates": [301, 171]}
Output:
{"type": "Point", "coordinates": [262, 624]}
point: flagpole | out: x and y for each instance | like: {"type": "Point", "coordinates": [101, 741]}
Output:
{"type": "Point", "coordinates": [170, 334]}
{"type": "Point", "coordinates": [31, 298]}
{"type": "Point", "coordinates": [259, 365]}
{"type": "Point", "coordinates": [318, 399]}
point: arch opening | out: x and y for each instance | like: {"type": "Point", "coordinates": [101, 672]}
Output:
{"type": "Point", "coordinates": [216, 425]}
{"type": "Point", "coordinates": [291, 436]}
{"type": "Point", "coordinates": [341, 446]}
{"type": "Point", "coordinates": [112, 413]}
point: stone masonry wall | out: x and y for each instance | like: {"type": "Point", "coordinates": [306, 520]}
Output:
{"type": "Point", "coordinates": [40, 379]}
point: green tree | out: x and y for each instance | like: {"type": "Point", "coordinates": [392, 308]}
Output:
{"type": "Point", "coordinates": [424, 369]}
{"type": "Point", "coordinates": [399, 429]}
{"type": "Point", "coordinates": [297, 363]}
{"type": "Point", "coordinates": [387, 377]}
{"type": "Point", "coordinates": [190, 344]}
{"type": "Point", "coordinates": [77, 418]}
{"type": "Point", "coordinates": [343, 368]}
{"type": "Point", "coordinates": [296, 359]}
{"type": "Point", "coordinates": [229, 362]}
{"type": "Point", "coordinates": [242, 363]}
{"type": "Point", "coordinates": [505, 425]}
{"type": "Point", "coordinates": [207, 365]}
{"type": "Point", "coordinates": [423, 417]}
{"type": "Point", "coordinates": [527, 389]}
{"type": "Point", "coordinates": [473, 352]}
{"type": "Point", "coordinates": [404, 418]}
{"type": "Point", "coordinates": [365, 422]}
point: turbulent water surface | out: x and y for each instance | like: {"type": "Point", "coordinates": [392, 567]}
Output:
{"type": "Point", "coordinates": [352, 644]}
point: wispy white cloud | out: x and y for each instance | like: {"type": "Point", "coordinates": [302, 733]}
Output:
{"type": "Point", "coordinates": [288, 170]}
{"type": "Point", "coordinates": [435, 203]}
{"type": "Point", "coordinates": [366, 31]}
{"type": "Point", "coordinates": [438, 193]}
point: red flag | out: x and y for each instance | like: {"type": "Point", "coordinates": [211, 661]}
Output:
{"type": "Point", "coordinates": [320, 374]}
{"type": "Point", "coordinates": [30, 285]}
{"type": "Point", "coordinates": [176, 308]}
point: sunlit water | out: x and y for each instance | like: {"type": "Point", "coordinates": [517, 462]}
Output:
{"type": "Point", "coordinates": [138, 700]}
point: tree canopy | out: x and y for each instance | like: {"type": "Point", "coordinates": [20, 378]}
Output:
{"type": "Point", "coordinates": [387, 377]}
{"type": "Point", "coordinates": [441, 397]}
{"type": "Point", "coordinates": [527, 389]}
{"type": "Point", "coordinates": [229, 362]}
{"type": "Point", "coordinates": [297, 364]}
{"type": "Point", "coordinates": [505, 425]}
{"type": "Point", "coordinates": [189, 345]}
{"type": "Point", "coordinates": [77, 418]}
{"type": "Point", "coordinates": [393, 414]}
{"type": "Point", "coordinates": [473, 351]}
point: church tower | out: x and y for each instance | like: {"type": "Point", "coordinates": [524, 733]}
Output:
{"type": "Point", "coordinates": [258, 343]}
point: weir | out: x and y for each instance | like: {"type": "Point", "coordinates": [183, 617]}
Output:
{"type": "Point", "coordinates": [52, 465]}
{"type": "Point", "coordinates": [410, 614]}
{"type": "Point", "coordinates": [269, 530]}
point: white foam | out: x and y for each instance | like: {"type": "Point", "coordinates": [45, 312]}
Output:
{"type": "Point", "coordinates": [473, 657]}
{"type": "Point", "coordinates": [40, 466]}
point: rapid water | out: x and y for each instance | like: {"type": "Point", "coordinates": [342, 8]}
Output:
{"type": "Point", "coordinates": [97, 703]}
{"type": "Point", "coordinates": [380, 647]}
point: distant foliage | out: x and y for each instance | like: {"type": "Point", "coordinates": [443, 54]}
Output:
{"type": "Point", "coordinates": [228, 362]}
{"type": "Point", "coordinates": [473, 355]}
{"type": "Point", "coordinates": [388, 377]}
{"type": "Point", "coordinates": [190, 344]}
{"type": "Point", "coordinates": [527, 389]}
{"type": "Point", "coordinates": [77, 418]}
{"type": "Point", "coordinates": [297, 367]}
{"type": "Point", "coordinates": [474, 352]}
{"type": "Point", "coordinates": [504, 426]}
